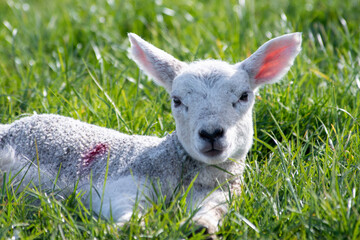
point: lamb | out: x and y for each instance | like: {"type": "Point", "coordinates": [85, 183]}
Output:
{"type": "Point", "coordinates": [212, 104]}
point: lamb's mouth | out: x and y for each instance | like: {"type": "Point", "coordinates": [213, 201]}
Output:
{"type": "Point", "coordinates": [212, 152]}
{"type": "Point", "coordinates": [214, 149]}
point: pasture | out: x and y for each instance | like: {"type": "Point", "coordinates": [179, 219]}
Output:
{"type": "Point", "coordinates": [302, 179]}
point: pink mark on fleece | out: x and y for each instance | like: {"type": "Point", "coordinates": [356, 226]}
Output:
{"type": "Point", "coordinates": [91, 155]}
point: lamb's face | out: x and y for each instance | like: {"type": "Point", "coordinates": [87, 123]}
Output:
{"type": "Point", "coordinates": [212, 100]}
{"type": "Point", "coordinates": [212, 103]}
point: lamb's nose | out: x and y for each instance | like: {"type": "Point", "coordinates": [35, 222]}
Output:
{"type": "Point", "coordinates": [211, 137]}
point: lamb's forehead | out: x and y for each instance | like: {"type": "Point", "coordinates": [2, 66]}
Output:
{"type": "Point", "coordinates": [210, 74]}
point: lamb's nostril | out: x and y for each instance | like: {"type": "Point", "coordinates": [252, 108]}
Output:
{"type": "Point", "coordinates": [204, 134]}
{"type": "Point", "coordinates": [219, 132]}
{"type": "Point", "coordinates": [211, 137]}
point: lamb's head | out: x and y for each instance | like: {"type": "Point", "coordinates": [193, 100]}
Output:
{"type": "Point", "coordinates": [212, 100]}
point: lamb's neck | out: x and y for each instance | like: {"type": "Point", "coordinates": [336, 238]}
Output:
{"type": "Point", "coordinates": [179, 149]}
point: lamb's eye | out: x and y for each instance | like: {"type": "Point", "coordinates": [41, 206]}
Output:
{"type": "Point", "coordinates": [244, 97]}
{"type": "Point", "coordinates": [177, 101]}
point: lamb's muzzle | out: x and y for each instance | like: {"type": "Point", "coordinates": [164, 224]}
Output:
{"type": "Point", "coordinates": [212, 107]}
{"type": "Point", "coordinates": [213, 144]}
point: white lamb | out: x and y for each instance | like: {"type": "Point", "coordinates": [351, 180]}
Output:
{"type": "Point", "coordinates": [212, 105]}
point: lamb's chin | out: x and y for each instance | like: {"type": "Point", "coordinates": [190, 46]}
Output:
{"type": "Point", "coordinates": [215, 157]}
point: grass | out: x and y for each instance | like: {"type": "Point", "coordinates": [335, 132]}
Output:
{"type": "Point", "coordinates": [302, 177]}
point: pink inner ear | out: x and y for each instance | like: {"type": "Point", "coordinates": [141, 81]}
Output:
{"type": "Point", "coordinates": [275, 61]}
{"type": "Point", "coordinates": [141, 56]}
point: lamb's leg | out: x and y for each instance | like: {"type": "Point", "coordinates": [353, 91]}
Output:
{"type": "Point", "coordinates": [212, 209]}
{"type": "Point", "coordinates": [118, 199]}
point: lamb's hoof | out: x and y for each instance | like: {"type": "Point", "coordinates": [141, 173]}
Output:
{"type": "Point", "coordinates": [206, 228]}
{"type": "Point", "coordinates": [205, 231]}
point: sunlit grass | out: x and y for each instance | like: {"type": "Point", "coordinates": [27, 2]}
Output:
{"type": "Point", "coordinates": [302, 174]}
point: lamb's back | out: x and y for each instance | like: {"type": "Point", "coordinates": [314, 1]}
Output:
{"type": "Point", "coordinates": [76, 146]}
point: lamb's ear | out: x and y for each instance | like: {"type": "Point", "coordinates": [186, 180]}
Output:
{"type": "Point", "coordinates": [272, 60]}
{"type": "Point", "coordinates": [156, 63]}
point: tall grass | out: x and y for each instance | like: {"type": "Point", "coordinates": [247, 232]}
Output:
{"type": "Point", "coordinates": [302, 175]}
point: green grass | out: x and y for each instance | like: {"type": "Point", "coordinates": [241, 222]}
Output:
{"type": "Point", "coordinates": [302, 177]}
